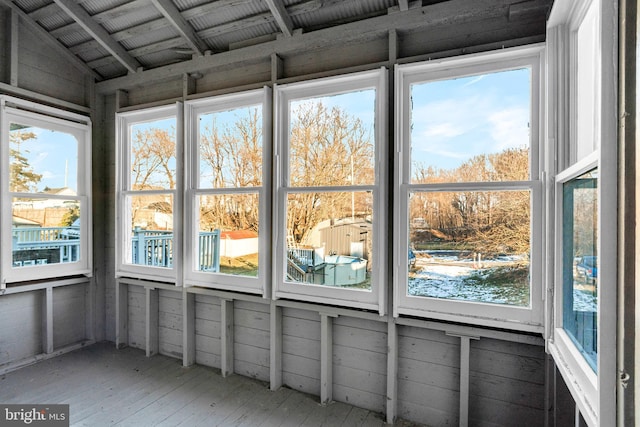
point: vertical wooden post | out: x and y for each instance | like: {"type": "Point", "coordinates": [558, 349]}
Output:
{"type": "Point", "coordinates": [277, 67]}
{"type": "Point", "coordinates": [13, 47]}
{"type": "Point", "coordinates": [90, 309]}
{"type": "Point", "coordinates": [122, 314]}
{"type": "Point", "coordinates": [465, 349]}
{"type": "Point", "coordinates": [188, 328]}
{"type": "Point", "coordinates": [326, 358]}
{"type": "Point", "coordinates": [47, 321]}
{"type": "Point", "coordinates": [275, 347]}
{"type": "Point", "coordinates": [152, 305]}
{"type": "Point", "coordinates": [392, 371]}
{"type": "Point", "coordinates": [226, 337]}
{"type": "Point", "coordinates": [188, 85]}
{"type": "Point", "coordinates": [122, 99]}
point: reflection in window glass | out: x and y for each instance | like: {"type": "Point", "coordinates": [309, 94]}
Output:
{"type": "Point", "coordinates": [472, 129]}
{"type": "Point", "coordinates": [42, 160]}
{"type": "Point", "coordinates": [331, 140]}
{"type": "Point", "coordinates": [580, 263]}
{"type": "Point", "coordinates": [45, 231]}
{"type": "Point", "coordinates": [470, 246]}
{"type": "Point", "coordinates": [230, 149]}
{"type": "Point", "coordinates": [329, 239]}
{"type": "Point", "coordinates": [228, 234]}
{"type": "Point", "coordinates": [153, 155]}
{"type": "Point", "coordinates": [151, 219]}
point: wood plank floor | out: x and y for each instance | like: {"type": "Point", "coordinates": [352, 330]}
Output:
{"type": "Point", "coordinates": [105, 386]}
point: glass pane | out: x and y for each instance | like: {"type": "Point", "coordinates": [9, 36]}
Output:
{"type": "Point", "coordinates": [45, 231]}
{"type": "Point", "coordinates": [332, 140]}
{"type": "Point", "coordinates": [151, 239]}
{"type": "Point", "coordinates": [472, 128]}
{"type": "Point", "coordinates": [228, 234]}
{"type": "Point", "coordinates": [330, 239]}
{"type": "Point", "coordinates": [153, 155]}
{"type": "Point", "coordinates": [470, 246]}
{"type": "Point", "coordinates": [42, 161]}
{"type": "Point", "coordinates": [230, 153]}
{"type": "Point", "coordinates": [580, 263]}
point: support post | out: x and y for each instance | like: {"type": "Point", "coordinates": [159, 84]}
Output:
{"type": "Point", "coordinates": [188, 328]}
{"type": "Point", "coordinates": [465, 350]}
{"type": "Point", "coordinates": [226, 337]}
{"type": "Point", "coordinates": [47, 321]}
{"type": "Point", "coordinates": [122, 314]}
{"type": "Point", "coordinates": [13, 47]}
{"type": "Point", "coordinates": [326, 358]}
{"type": "Point", "coordinates": [275, 347]}
{"type": "Point", "coordinates": [152, 305]}
{"type": "Point", "coordinates": [392, 371]}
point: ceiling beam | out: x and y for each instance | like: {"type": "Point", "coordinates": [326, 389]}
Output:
{"type": "Point", "coordinates": [171, 12]}
{"type": "Point", "coordinates": [454, 13]}
{"type": "Point", "coordinates": [42, 34]}
{"type": "Point", "coordinates": [78, 14]}
{"type": "Point", "coordinates": [218, 30]}
{"type": "Point", "coordinates": [282, 17]}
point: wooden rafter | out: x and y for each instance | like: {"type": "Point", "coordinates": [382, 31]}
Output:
{"type": "Point", "coordinates": [45, 36]}
{"type": "Point", "coordinates": [173, 15]}
{"type": "Point", "coordinates": [404, 5]}
{"type": "Point", "coordinates": [78, 14]}
{"type": "Point", "coordinates": [281, 16]}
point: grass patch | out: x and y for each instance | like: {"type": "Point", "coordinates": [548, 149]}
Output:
{"type": "Point", "coordinates": [241, 266]}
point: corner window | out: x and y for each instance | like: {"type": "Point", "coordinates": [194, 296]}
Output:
{"type": "Point", "coordinates": [148, 179]}
{"type": "Point", "coordinates": [228, 238]}
{"type": "Point", "coordinates": [330, 203]}
{"type": "Point", "coordinates": [580, 263]}
{"type": "Point", "coordinates": [468, 196]}
{"type": "Point", "coordinates": [46, 154]}
{"type": "Point", "coordinates": [583, 132]}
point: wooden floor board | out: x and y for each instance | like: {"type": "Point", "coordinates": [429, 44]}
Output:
{"type": "Point", "coordinates": [108, 387]}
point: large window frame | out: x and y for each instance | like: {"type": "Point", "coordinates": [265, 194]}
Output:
{"type": "Point", "coordinates": [487, 314]}
{"type": "Point", "coordinates": [582, 54]}
{"type": "Point", "coordinates": [193, 111]}
{"type": "Point", "coordinates": [284, 95]}
{"type": "Point", "coordinates": [15, 110]}
{"type": "Point", "coordinates": [124, 265]}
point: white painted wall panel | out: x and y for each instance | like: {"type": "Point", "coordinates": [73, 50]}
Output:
{"type": "Point", "coordinates": [69, 311]}
{"type": "Point", "coordinates": [136, 317]}
{"type": "Point", "coordinates": [21, 320]}
{"type": "Point", "coordinates": [251, 336]}
{"type": "Point", "coordinates": [207, 327]}
{"type": "Point", "coordinates": [301, 350]}
{"type": "Point", "coordinates": [170, 323]}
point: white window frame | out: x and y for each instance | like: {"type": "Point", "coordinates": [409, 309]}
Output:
{"type": "Point", "coordinates": [26, 112]}
{"type": "Point", "coordinates": [593, 392]}
{"type": "Point", "coordinates": [375, 299]}
{"type": "Point", "coordinates": [480, 313]}
{"type": "Point", "coordinates": [193, 109]}
{"type": "Point", "coordinates": [123, 189]}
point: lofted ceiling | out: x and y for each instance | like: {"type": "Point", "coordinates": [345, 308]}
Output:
{"type": "Point", "coordinates": [115, 38]}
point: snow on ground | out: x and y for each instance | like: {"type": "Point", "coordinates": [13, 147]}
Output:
{"type": "Point", "coordinates": [442, 274]}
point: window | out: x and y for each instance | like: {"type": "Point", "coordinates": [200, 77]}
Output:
{"type": "Point", "coordinates": [330, 204]}
{"type": "Point", "coordinates": [582, 333]}
{"type": "Point", "coordinates": [228, 238]}
{"type": "Point", "coordinates": [468, 198]}
{"type": "Point", "coordinates": [46, 192]}
{"type": "Point", "coordinates": [149, 177]}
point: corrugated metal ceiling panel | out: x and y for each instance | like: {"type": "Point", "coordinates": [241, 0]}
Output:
{"type": "Point", "coordinates": [342, 11]}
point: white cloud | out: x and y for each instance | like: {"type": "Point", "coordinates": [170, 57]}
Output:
{"type": "Point", "coordinates": [510, 128]}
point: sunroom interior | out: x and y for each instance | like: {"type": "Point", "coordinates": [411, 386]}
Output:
{"type": "Point", "coordinates": [375, 211]}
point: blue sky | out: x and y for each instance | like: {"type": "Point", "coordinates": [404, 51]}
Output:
{"type": "Point", "coordinates": [454, 120]}
{"type": "Point", "coordinates": [54, 155]}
